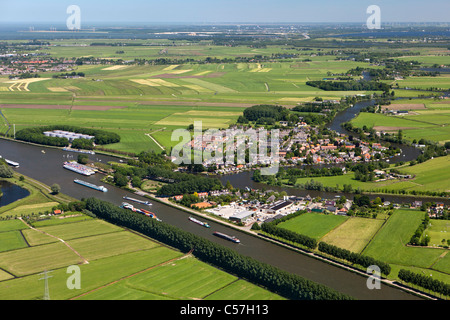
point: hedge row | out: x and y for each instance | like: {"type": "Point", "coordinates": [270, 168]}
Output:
{"type": "Point", "coordinates": [424, 282]}
{"type": "Point", "coordinates": [353, 257]}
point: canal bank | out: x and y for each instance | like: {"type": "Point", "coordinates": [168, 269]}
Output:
{"type": "Point", "coordinates": [315, 255]}
{"type": "Point", "coordinates": [47, 168]}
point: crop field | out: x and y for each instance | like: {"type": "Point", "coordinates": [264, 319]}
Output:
{"type": "Point", "coordinates": [136, 100]}
{"type": "Point", "coordinates": [430, 124]}
{"type": "Point", "coordinates": [432, 175]}
{"type": "Point", "coordinates": [390, 243]}
{"type": "Point", "coordinates": [313, 225]}
{"type": "Point", "coordinates": [139, 267]}
{"type": "Point", "coordinates": [354, 234]}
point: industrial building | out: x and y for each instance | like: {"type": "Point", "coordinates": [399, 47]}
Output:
{"type": "Point", "coordinates": [68, 135]}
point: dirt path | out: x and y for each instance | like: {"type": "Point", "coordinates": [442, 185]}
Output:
{"type": "Point", "coordinates": [85, 261]}
{"type": "Point", "coordinates": [134, 274]}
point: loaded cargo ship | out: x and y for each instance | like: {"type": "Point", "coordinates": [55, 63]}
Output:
{"type": "Point", "coordinates": [227, 237]}
{"type": "Point", "coordinates": [11, 163]}
{"type": "Point", "coordinates": [78, 150]}
{"type": "Point", "coordinates": [126, 205]}
{"type": "Point", "coordinates": [204, 224]}
{"type": "Point", "coordinates": [78, 168]}
{"type": "Point", "coordinates": [90, 185]}
{"type": "Point", "coordinates": [138, 201]}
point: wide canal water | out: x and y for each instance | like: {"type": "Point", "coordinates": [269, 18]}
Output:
{"type": "Point", "coordinates": [47, 167]}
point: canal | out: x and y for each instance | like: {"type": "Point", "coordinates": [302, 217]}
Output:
{"type": "Point", "coordinates": [47, 167]}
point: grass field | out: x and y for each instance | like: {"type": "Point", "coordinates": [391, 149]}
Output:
{"type": "Point", "coordinates": [390, 243]}
{"type": "Point", "coordinates": [135, 100]}
{"type": "Point", "coordinates": [354, 234]}
{"type": "Point", "coordinates": [112, 254]}
{"type": "Point", "coordinates": [432, 175]}
{"type": "Point", "coordinates": [314, 225]}
{"type": "Point", "coordinates": [430, 122]}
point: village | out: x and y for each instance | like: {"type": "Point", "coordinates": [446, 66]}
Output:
{"type": "Point", "coordinates": [296, 145]}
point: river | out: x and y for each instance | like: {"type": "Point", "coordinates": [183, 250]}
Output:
{"type": "Point", "coordinates": [244, 179]}
{"type": "Point", "coordinates": [47, 167]}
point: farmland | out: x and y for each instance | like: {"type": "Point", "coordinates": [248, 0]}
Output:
{"type": "Point", "coordinates": [430, 122]}
{"type": "Point", "coordinates": [313, 225]}
{"type": "Point", "coordinates": [105, 254]}
{"type": "Point", "coordinates": [136, 100]}
{"type": "Point", "coordinates": [384, 238]}
{"type": "Point", "coordinates": [389, 245]}
{"type": "Point", "coordinates": [431, 175]}
{"type": "Point", "coordinates": [113, 254]}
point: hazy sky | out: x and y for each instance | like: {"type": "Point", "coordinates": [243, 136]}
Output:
{"type": "Point", "coordinates": [203, 11]}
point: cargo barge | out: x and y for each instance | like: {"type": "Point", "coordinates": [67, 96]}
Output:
{"type": "Point", "coordinates": [11, 163]}
{"type": "Point", "coordinates": [138, 201]}
{"type": "Point", "coordinates": [79, 150]}
{"type": "Point", "coordinates": [204, 224]}
{"type": "Point", "coordinates": [90, 185]}
{"type": "Point", "coordinates": [78, 168]}
{"type": "Point", "coordinates": [126, 205]}
{"type": "Point", "coordinates": [227, 237]}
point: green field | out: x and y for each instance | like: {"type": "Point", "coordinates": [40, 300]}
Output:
{"type": "Point", "coordinates": [354, 234]}
{"type": "Point", "coordinates": [187, 279]}
{"type": "Point", "coordinates": [313, 225]}
{"type": "Point", "coordinates": [439, 232]}
{"type": "Point", "coordinates": [431, 123]}
{"type": "Point", "coordinates": [432, 175]}
{"type": "Point", "coordinates": [390, 243]}
{"type": "Point", "coordinates": [138, 100]}
{"type": "Point", "coordinates": [139, 267]}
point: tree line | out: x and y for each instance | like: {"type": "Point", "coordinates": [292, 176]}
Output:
{"type": "Point", "coordinates": [182, 183]}
{"type": "Point", "coordinates": [353, 257]}
{"type": "Point", "coordinates": [350, 85]}
{"type": "Point", "coordinates": [283, 283]}
{"type": "Point", "coordinates": [424, 282]}
{"type": "Point", "coordinates": [36, 135]}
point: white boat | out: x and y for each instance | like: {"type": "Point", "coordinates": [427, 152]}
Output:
{"type": "Point", "coordinates": [204, 224]}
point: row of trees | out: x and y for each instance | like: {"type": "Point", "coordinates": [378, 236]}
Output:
{"type": "Point", "coordinates": [417, 239]}
{"type": "Point", "coordinates": [353, 257]}
{"type": "Point", "coordinates": [424, 282]}
{"type": "Point", "coordinates": [36, 135]}
{"type": "Point", "coordinates": [350, 85]}
{"type": "Point", "coordinates": [283, 283]}
{"type": "Point", "coordinates": [257, 112]}
{"type": "Point", "coordinates": [182, 183]}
